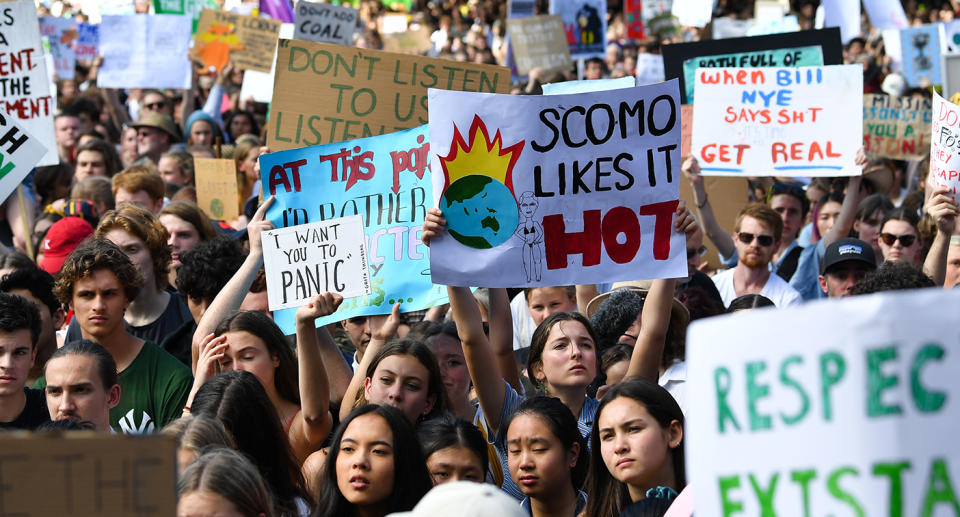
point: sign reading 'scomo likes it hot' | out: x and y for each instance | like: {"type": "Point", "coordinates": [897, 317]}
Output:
{"type": "Point", "coordinates": [856, 415]}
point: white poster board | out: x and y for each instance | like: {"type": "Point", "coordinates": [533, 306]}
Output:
{"type": "Point", "coordinates": [886, 14]}
{"type": "Point", "coordinates": [945, 146]}
{"type": "Point", "coordinates": [843, 14]}
{"type": "Point", "coordinates": [649, 69]}
{"type": "Point", "coordinates": [303, 261]}
{"type": "Point", "coordinates": [25, 91]}
{"type": "Point", "coordinates": [854, 410]}
{"type": "Point", "coordinates": [805, 121]}
{"type": "Point", "coordinates": [325, 23]}
{"type": "Point", "coordinates": [145, 51]}
{"type": "Point", "coordinates": [949, 37]}
{"type": "Point", "coordinates": [693, 13]}
{"type": "Point", "coordinates": [589, 85]}
{"type": "Point", "coordinates": [19, 153]}
{"type": "Point", "coordinates": [258, 85]}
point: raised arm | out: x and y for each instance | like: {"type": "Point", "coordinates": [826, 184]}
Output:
{"type": "Point", "coordinates": [229, 298]}
{"type": "Point", "coordinates": [501, 337]}
{"type": "Point", "coordinates": [383, 328]}
{"type": "Point", "coordinates": [944, 212]}
{"type": "Point", "coordinates": [585, 293]}
{"type": "Point", "coordinates": [848, 209]}
{"type": "Point", "coordinates": [312, 424]}
{"type": "Point", "coordinates": [711, 228]}
{"type": "Point", "coordinates": [338, 371]}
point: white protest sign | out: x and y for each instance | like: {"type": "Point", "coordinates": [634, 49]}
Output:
{"type": "Point", "coordinates": [61, 32]}
{"type": "Point", "coordinates": [693, 13]}
{"type": "Point", "coordinates": [19, 153]}
{"type": "Point", "coordinates": [325, 23]}
{"type": "Point", "coordinates": [727, 27]}
{"type": "Point", "coordinates": [945, 146]}
{"type": "Point", "coordinates": [24, 81]}
{"type": "Point", "coordinates": [843, 14]}
{"type": "Point", "coordinates": [853, 412]}
{"type": "Point", "coordinates": [258, 85]}
{"type": "Point", "coordinates": [589, 85]}
{"type": "Point", "coordinates": [303, 261]}
{"type": "Point", "coordinates": [556, 189]}
{"type": "Point", "coordinates": [145, 51]}
{"type": "Point", "coordinates": [649, 69]}
{"type": "Point", "coordinates": [886, 14]}
{"type": "Point", "coordinates": [804, 121]}
{"type": "Point", "coordinates": [949, 37]}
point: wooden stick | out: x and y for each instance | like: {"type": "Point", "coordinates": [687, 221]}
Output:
{"type": "Point", "coordinates": [22, 200]}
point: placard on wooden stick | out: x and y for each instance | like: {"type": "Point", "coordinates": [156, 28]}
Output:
{"type": "Point", "coordinates": [246, 40]}
{"type": "Point", "coordinates": [217, 190]}
{"type": "Point", "coordinates": [83, 474]}
{"type": "Point", "coordinates": [303, 261]}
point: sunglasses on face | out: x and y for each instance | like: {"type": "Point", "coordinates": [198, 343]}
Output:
{"type": "Point", "coordinates": [747, 238]}
{"type": "Point", "coordinates": [693, 252]}
{"type": "Point", "coordinates": [905, 240]}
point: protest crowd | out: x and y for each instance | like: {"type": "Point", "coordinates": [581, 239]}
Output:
{"type": "Point", "coordinates": [429, 363]}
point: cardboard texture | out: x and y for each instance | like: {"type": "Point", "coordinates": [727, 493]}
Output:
{"type": "Point", "coordinates": [675, 55]}
{"type": "Point", "coordinates": [896, 127]}
{"type": "Point", "coordinates": [217, 189]}
{"type": "Point", "coordinates": [328, 93]}
{"type": "Point", "coordinates": [82, 474]}
{"type": "Point", "coordinates": [539, 42]}
{"type": "Point", "coordinates": [246, 40]}
{"type": "Point", "coordinates": [727, 196]}
{"type": "Point", "coordinates": [408, 42]}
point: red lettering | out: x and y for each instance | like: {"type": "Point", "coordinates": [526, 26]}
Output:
{"type": "Point", "coordinates": [662, 227]}
{"type": "Point", "coordinates": [621, 220]}
{"type": "Point", "coordinates": [278, 176]}
{"type": "Point", "coordinates": [415, 160]}
{"type": "Point", "coordinates": [558, 244]}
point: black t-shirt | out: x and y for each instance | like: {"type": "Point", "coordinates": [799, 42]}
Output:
{"type": "Point", "coordinates": [172, 318]}
{"type": "Point", "coordinates": [34, 413]}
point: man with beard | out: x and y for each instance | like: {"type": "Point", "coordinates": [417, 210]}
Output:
{"type": "Point", "coordinates": [757, 235]}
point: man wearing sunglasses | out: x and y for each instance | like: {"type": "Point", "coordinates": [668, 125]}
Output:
{"type": "Point", "coordinates": [757, 235]}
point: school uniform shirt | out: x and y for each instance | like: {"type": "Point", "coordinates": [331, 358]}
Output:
{"type": "Point", "coordinates": [512, 401]}
{"type": "Point", "coordinates": [776, 289]}
{"type": "Point", "coordinates": [153, 391]}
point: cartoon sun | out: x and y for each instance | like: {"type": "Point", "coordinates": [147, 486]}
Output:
{"type": "Point", "coordinates": [478, 200]}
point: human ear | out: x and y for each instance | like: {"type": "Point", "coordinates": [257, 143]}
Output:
{"type": "Point", "coordinates": [675, 434]}
{"type": "Point", "coordinates": [573, 454]}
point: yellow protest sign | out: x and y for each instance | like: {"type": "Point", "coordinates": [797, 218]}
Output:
{"type": "Point", "coordinates": [247, 40]}
{"type": "Point", "coordinates": [82, 474]}
{"type": "Point", "coordinates": [217, 190]}
{"type": "Point", "coordinates": [327, 93]}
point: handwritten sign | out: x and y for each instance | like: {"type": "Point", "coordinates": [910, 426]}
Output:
{"type": "Point", "coordinates": [61, 32]}
{"type": "Point", "coordinates": [585, 25]}
{"type": "Point", "coordinates": [325, 23]}
{"type": "Point", "coordinates": [920, 55]}
{"type": "Point", "coordinates": [19, 153]}
{"type": "Point", "coordinates": [386, 180]}
{"type": "Point", "coordinates": [556, 190]}
{"type": "Point", "coordinates": [145, 51]}
{"type": "Point", "coordinates": [330, 93]}
{"type": "Point", "coordinates": [539, 42]}
{"type": "Point", "coordinates": [408, 41]}
{"type": "Point", "coordinates": [303, 261]}
{"type": "Point", "coordinates": [832, 414]}
{"type": "Point", "coordinates": [258, 85]}
{"type": "Point", "coordinates": [24, 83]}
{"type": "Point", "coordinates": [896, 127]}
{"type": "Point", "coordinates": [103, 475]}
{"type": "Point", "coordinates": [88, 41]}
{"type": "Point", "coordinates": [783, 57]}
{"type": "Point", "coordinates": [248, 41]}
{"type": "Point", "coordinates": [945, 146]}
{"type": "Point", "coordinates": [778, 121]}
{"type": "Point", "coordinates": [217, 190]}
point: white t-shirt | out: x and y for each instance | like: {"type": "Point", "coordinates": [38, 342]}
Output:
{"type": "Point", "coordinates": [776, 288]}
{"type": "Point", "coordinates": [523, 325]}
{"type": "Point", "coordinates": [674, 380]}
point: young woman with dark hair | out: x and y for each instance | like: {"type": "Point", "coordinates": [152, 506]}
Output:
{"type": "Point", "coordinates": [637, 447]}
{"type": "Point", "coordinates": [454, 449]}
{"type": "Point", "coordinates": [223, 482]}
{"type": "Point", "coordinates": [238, 400]}
{"type": "Point", "coordinates": [375, 466]}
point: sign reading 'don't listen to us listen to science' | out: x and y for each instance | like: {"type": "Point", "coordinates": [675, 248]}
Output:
{"type": "Point", "coordinates": [556, 190]}
{"type": "Point", "coordinates": [854, 415]}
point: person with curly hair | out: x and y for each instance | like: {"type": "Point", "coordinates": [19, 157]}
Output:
{"type": "Point", "coordinates": [99, 282]}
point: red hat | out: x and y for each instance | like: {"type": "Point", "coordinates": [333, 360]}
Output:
{"type": "Point", "coordinates": [62, 237]}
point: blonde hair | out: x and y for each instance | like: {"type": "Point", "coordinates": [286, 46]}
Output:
{"type": "Point", "coordinates": [139, 222]}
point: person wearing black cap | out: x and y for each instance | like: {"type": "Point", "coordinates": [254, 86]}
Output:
{"type": "Point", "coordinates": [845, 263]}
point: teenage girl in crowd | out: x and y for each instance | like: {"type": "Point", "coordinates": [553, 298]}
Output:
{"type": "Point", "coordinates": [454, 450]}
{"type": "Point", "coordinates": [222, 482]}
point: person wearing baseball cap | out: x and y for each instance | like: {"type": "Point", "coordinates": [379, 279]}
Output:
{"type": "Point", "coordinates": [62, 237]}
{"type": "Point", "coordinates": [845, 263]}
{"type": "Point", "coordinates": [156, 133]}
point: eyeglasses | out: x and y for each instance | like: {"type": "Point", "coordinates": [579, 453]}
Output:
{"type": "Point", "coordinates": [905, 240]}
{"type": "Point", "coordinates": [693, 252]}
{"type": "Point", "coordinates": [155, 105]}
{"type": "Point", "coordinates": [747, 238]}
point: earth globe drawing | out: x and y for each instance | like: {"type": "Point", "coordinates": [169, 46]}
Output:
{"type": "Point", "coordinates": [481, 212]}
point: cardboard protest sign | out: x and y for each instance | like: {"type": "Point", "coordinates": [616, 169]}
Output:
{"type": "Point", "coordinates": [820, 424]}
{"type": "Point", "coordinates": [896, 127]}
{"type": "Point", "coordinates": [585, 26]}
{"type": "Point", "coordinates": [61, 32]}
{"type": "Point", "coordinates": [141, 51]}
{"type": "Point", "coordinates": [248, 41]}
{"type": "Point", "coordinates": [686, 128]}
{"type": "Point", "coordinates": [258, 85]}
{"type": "Point", "coordinates": [409, 41]}
{"type": "Point", "coordinates": [588, 85]}
{"type": "Point", "coordinates": [329, 93]}
{"type": "Point", "coordinates": [556, 190]}
{"type": "Point", "coordinates": [217, 190]}
{"type": "Point", "coordinates": [886, 14]}
{"type": "Point", "coordinates": [649, 69]}
{"type": "Point", "coordinates": [386, 180]}
{"type": "Point", "coordinates": [79, 474]}
{"type": "Point", "coordinates": [727, 197]}
{"type": "Point", "coordinates": [920, 55]}
{"type": "Point", "coordinates": [303, 261]}
{"type": "Point", "coordinates": [539, 42]}
{"type": "Point", "coordinates": [945, 146]}
{"type": "Point", "coordinates": [778, 121]}
{"type": "Point", "coordinates": [756, 51]}
{"type": "Point", "coordinates": [325, 23]}
{"type": "Point", "coordinates": [24, 82]}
